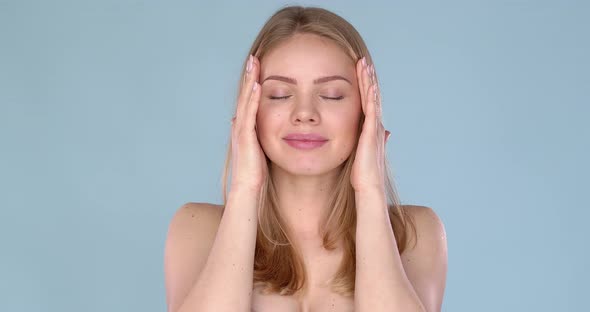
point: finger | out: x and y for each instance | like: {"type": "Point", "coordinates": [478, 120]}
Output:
{"type": "Point", "coordinates": [370, 124]}
{"type": "Point", "coordinates": [246, 90]}
{"type": "Point", "coordinates": [374, 112]}
{"type": "Point", "coordinates": [251, 106]}
{"type": "Point", "coordinates": [360, 73]}
{"type": "Point", "coordinates": [367, 83]}
{"type": "Point", "coordinates": [252, 109]}
{"type": "Point", "coordinates": [370, 109]}
{"type": "Point", "coordinates": [375, 97]}
{"type": "Point", "coordinates": [376, 100]}
{"type": "Point", "coordinates": [378, 109]}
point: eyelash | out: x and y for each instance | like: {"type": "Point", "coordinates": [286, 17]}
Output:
{"type": "Point", "coordinates": [286, 97]}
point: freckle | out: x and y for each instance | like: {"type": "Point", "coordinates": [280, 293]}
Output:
{"type": "Point", "coordinates": [192, 216]}
{"type": "Point", "coordinates": [248, 219]}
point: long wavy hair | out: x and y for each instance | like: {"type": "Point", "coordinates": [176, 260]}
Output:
{"type": "Point", "coordinates": [278, 265]}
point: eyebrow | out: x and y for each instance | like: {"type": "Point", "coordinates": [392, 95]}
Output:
{"type": "Point", "coordinates": [316, 81]}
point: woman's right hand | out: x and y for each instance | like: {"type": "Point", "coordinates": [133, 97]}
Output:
{"type": "Point", "coordinates": [249, 167]}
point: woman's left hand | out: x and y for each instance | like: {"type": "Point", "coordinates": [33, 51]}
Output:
{"type": "Point", "coordinates": [368, 169]}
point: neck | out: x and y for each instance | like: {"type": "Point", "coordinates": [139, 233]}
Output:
{"type": "Point", "coordinates": [303, 202]}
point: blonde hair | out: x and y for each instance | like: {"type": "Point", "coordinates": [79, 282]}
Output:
{"type": "Point", "coordinates": [278, 266]}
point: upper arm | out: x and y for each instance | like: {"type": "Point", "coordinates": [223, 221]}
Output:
{"type": "Point", "coordinates": [191, 234]}
{"type": "Point", "coordinates": [426, 263]}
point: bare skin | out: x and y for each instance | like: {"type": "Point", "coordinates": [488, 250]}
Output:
{"type": "Point", "coordinates": [321, 265]}
{"type": "Point", "coordinates": [303, 181]}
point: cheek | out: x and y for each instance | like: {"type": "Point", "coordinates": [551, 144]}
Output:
{"type": "Point", "coordinates": [352, 113]}
{"type": "Point", "coordinates": [262, 116]}
{"type": "Point", "coordinates": [267, 120]}
{"type": "Point", "coordinates": [357, 111]}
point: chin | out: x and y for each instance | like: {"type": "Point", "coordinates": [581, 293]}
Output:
{"type": "Point", "coordinates": [307, 170]}
{"type": "Point", "coordinates": [305, 165]}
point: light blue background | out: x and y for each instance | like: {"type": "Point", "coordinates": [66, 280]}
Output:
{"type": "Point", "coordinates": [115, 113]}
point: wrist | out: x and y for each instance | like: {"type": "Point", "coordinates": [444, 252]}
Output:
{"type": "Point", "coordinates": [372, 197]}
{"type": "Point", "coordinates": [244, 188]}
{"type": "Point", "coordinates": [370, 191]}
{"type": "Point", "coordinates": [243, 199]}
{"type": "Point", "coordinates": [245, 192]}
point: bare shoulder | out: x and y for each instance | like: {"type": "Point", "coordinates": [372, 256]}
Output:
{"type": "Point", "coordinates": [424, 215]}
{"type": "Point", "coordinates": [191, 213]}
{"type": "Point", "coordinates": [428, 224]}
{"type": "Point", "coordinates": [191, 234]}
{"type": "Point", "coordinates": [425, 263]}
{"type": "Point", "coordinates": [195, 224]}
{"type": "Point", "coordinates": [195, 221]}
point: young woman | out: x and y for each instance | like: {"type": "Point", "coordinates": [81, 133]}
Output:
{"type": "Point", "coordinates": [312, 221]}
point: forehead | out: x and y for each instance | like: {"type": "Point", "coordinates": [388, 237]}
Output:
{"type": "Point", "coordinates": [307, 56]}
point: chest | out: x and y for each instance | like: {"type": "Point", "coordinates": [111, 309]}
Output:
{"type": "Point", "coordinates": [318, 297]}
{"type": "Point", "coordinates": [316, 300]}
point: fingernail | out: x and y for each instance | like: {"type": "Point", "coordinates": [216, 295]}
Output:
{"type": "Point", "coordinates": [255, 86]}
{"type": "Point", "coordinates": [364, 62]}
{"type": "Point", "coordinates": [249, 66]}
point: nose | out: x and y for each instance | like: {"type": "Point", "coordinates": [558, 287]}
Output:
{"type": "Point", "coordinates": [305, 113]}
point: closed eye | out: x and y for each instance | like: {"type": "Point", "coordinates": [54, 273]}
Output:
{"type": "Point", "coordinates": [333, 98]}
{"type": "Point", "coordinates": [279, 97]}
{"type": "Point", "coordinates": [288, 96]}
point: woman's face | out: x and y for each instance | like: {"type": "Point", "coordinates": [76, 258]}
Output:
{"type": "Point", "coordinates": [294, 101]}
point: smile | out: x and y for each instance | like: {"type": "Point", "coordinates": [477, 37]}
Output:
{"type": "Point", "coordinates": [305, 144]}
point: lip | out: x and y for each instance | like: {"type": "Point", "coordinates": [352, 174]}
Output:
{"type": "Point", "coordinates": [305, 137]}
{"type": "Point", "coordinates": [305, 141]}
